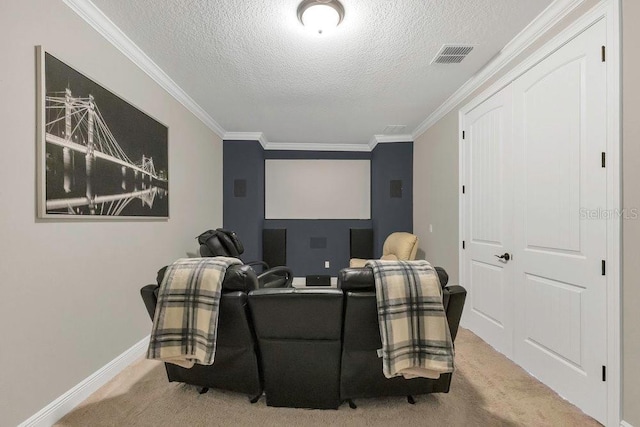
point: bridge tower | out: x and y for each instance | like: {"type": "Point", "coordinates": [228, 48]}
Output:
{"type": "Point", "coordinates": [67, 158]}
{"type": "Point", "coordinates": [90, 156]}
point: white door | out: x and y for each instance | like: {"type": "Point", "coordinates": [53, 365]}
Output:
{"type": "Point", "coordinates": [533, 164]}
{"type": "Point", "coordinates": [488, 226]}
{"type": "Point", "coordinates": [560, 191]}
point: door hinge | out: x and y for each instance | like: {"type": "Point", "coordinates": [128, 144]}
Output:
{"type": "Point", "coordinates": [604, 159]}
{"type": "Point", "coordinates": [604, 373]}
{"type": "Point", "coordinates": [462, 134]}
{"type": "Point", "coordinates": [604, 267]}
{"type": "Point", "coordinates": [604, 54]}
{"type": "Point", "coordinates": [463, 244]}
{"type": "Point", "coordinates": [463, 189]}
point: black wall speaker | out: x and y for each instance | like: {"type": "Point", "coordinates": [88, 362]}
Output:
{"type": "Point", "coordinates": [361, 243]}
{"type": "Point", "coordinates": [318, 243]}
{"type": "Point", "coordinates": [395, 188]}
{"type": "Point", "coordinates": [274, 246]}
{"type": "Point", "coordinates": [239, 188]}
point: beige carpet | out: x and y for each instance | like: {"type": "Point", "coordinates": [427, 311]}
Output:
{"type": "Point", "coordinates": [487, 390]}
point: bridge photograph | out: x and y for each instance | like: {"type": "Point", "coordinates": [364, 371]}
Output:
{"type": "Point", "coordinates": [102, 156]}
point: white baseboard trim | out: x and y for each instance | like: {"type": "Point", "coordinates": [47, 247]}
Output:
{"type": "Point", "coordinates": [64, 404]}
{"type": "Point", "coordinates": [625, 424]}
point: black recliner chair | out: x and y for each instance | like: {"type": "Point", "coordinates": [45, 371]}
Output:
{"type": "Point", "coordinates": [221, 242]}
{"type": "Point", "coordinates": [361, 368]}
{"type": "Point", "coordinates": [236, 361]}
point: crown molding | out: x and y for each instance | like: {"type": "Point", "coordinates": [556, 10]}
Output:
{"type": "Point", "coordinates": [302, 146]}
{"type": "Point", "coordinates": [387, 139]}
{"type": "Point", "coordinates": [104, 26]}
{"type": "Point", "coordinates": [246, 136]}
{"type": "Point", "coordinates": [110, 31]}
{"type": "Point", "coordinates": [542, 23]}
{"type": "Point", "coordinates": [292, 146]}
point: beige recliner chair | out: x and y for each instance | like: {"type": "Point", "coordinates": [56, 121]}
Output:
{"type": "Point", "coordinates": [398, 246]}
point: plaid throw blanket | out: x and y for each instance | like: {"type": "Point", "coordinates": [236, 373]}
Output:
{"type": "Point", "coordinates": [416, 341]}
{"type": "Point", "coordinates": [185, 323]}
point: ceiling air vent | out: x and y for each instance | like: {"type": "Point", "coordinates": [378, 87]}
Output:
{"type": "Point", "coordinates": [451, 54]}
{"type": "Point", "coordinates": [394, 129]}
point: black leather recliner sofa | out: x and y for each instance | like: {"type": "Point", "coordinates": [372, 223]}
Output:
{"type": "Point", "coordinates": [311, 348]}
{"type": "Point", "coordinates": [361, 368]}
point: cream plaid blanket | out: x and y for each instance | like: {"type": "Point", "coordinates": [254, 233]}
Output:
{"type": "Point", "coordinates": [416, 341]}
{"type": "Point", "coordinates": [185, 323]}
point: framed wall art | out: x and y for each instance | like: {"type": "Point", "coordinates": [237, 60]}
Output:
{"type": "Point", "coordinates": [98, 155]}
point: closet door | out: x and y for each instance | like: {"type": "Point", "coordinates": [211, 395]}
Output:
{"type": "Point", "coordinates": [560, 198]}
{"type": "Point", "coordinates": [488, 216]}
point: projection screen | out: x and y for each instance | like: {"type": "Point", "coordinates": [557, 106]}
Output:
{"type": "Point", "coordinates": [317, 189]}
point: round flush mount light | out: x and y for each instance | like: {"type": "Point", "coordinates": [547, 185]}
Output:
{"type": "Point", "coordinates": [320, 15]}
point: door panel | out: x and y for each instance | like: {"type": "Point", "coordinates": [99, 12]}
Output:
{"type": "Point", "coordinates": [559, 330]}
{"type": "Point", "coordinates": [487, 299]}
{"type": "Point", "coordinates": [485, 186]}
{"type": "Point", "coordinates": [487, 208]}
{"type": "Point", "coordinates": [560, 293]}
{"type": "Point", "coordinates": [532, 166]}
{"type": "Point", "coordinates": [552, 157]}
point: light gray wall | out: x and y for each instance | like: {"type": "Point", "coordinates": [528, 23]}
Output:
{"type": "Point", "coordinates": [436, 192]}
{"type": "Point", "coordinates": [70, 298]}
{"type": "Point", "coordinates": [631, 200]}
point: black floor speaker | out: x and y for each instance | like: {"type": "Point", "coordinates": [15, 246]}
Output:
{"type": "Point", "coordinates": [274, 246]}
{"type": "Point", "coordinates": [361, 243]}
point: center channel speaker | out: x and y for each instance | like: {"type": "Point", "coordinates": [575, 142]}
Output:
{"type": "Point", "coordinates": [318, 280]}
{"type": "Point", "coordinates": [274, 246]}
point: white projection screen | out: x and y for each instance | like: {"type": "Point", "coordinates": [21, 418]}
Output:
{"type": "Point", "coordinates": [317, 189]}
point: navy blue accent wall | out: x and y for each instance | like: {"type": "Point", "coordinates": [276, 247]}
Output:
{"type": "Point", "coordinates": [305, 260]}
{"type": "Point", "coordinates": [244, 160]}
{"type": "Point", "coordinates": [391, 162]}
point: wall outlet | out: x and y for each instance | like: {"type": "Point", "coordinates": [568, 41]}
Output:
{"type": "Point", "coordinates": [430, 228]}
{"type": "Point", "coordinates": [326, 264]}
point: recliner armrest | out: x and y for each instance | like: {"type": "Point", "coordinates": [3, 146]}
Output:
{"type": "Point", "coordinates": [442, 275]}
{"type": "Point", "coordinates": [240, 278]}
{"type": "Point", "coordinates": [457, 296]}
{"type": "Point", "coordinates": [356, 279]}
{"type": "Point", "coordinates": [150, 297]}
{"type": "Point", "coordinates": [276, 277]}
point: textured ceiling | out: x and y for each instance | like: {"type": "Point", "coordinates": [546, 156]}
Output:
{"type": "Point", "coordinates": [254, 68]}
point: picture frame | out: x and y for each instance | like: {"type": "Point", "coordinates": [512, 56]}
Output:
{"type": "Point", "coordinates": [98, 156]}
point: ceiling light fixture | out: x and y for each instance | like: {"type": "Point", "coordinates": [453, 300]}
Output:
{"type": "Point", "coordinates": [320, 15]}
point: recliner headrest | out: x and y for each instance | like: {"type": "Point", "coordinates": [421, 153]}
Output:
{"type": "Point", "coordinates": [220, 242]}
{"type": "Point", "coordinates": [230, 241]}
